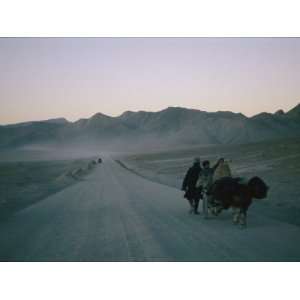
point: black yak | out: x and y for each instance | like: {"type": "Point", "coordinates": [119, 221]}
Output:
{"type": "Point", "coordinates": [234, 192]}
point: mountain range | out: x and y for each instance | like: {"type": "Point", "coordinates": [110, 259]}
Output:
{"type": "Point", "coordinates": [174, 126]}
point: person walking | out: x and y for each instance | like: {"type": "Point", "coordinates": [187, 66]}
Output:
{"type": "Point", "coordinates": [192, 193]}
{"type": "Point", "coordinates": [205, 181]}
{"type": "Point", "coordinates": [223, 170]}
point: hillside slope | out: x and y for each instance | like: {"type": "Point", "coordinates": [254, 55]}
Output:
{"type": "Point", "coordinates": [173, 126]}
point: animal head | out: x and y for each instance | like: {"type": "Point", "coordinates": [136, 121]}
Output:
{"type": "Point", "coordinates": [258, 187]}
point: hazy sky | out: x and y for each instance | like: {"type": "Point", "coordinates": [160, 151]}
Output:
{"type": "Point", "coordinates": [77, 77]}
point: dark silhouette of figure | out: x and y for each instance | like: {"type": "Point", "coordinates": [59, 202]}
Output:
{"type": "Point", "coordinates": [192, 193]}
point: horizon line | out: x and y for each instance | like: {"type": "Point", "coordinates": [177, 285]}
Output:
{"type": "Point", "coordinates": [152, 111]}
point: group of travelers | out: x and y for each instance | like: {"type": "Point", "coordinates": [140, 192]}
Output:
{"type": "Point", "coordinates": [199, 180]}
{"type": "Point", "coordinates": [218, 190]}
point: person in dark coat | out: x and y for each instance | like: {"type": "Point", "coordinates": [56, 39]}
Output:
{"type": "Point", "coordinates": [192, 194]}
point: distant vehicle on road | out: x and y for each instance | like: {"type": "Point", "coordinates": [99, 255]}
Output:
{"type": "Point", "coordinates": [100, 161]}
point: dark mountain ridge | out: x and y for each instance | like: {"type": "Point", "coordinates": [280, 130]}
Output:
{"type": "Point", "coordinates": [171, 126]}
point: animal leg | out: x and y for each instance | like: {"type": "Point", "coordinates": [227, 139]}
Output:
{"type": "Point", "coordinates": [218, 210]}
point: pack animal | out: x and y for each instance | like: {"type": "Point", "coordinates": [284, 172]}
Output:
{"type": "Point", "coordinates": [233, 192]}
